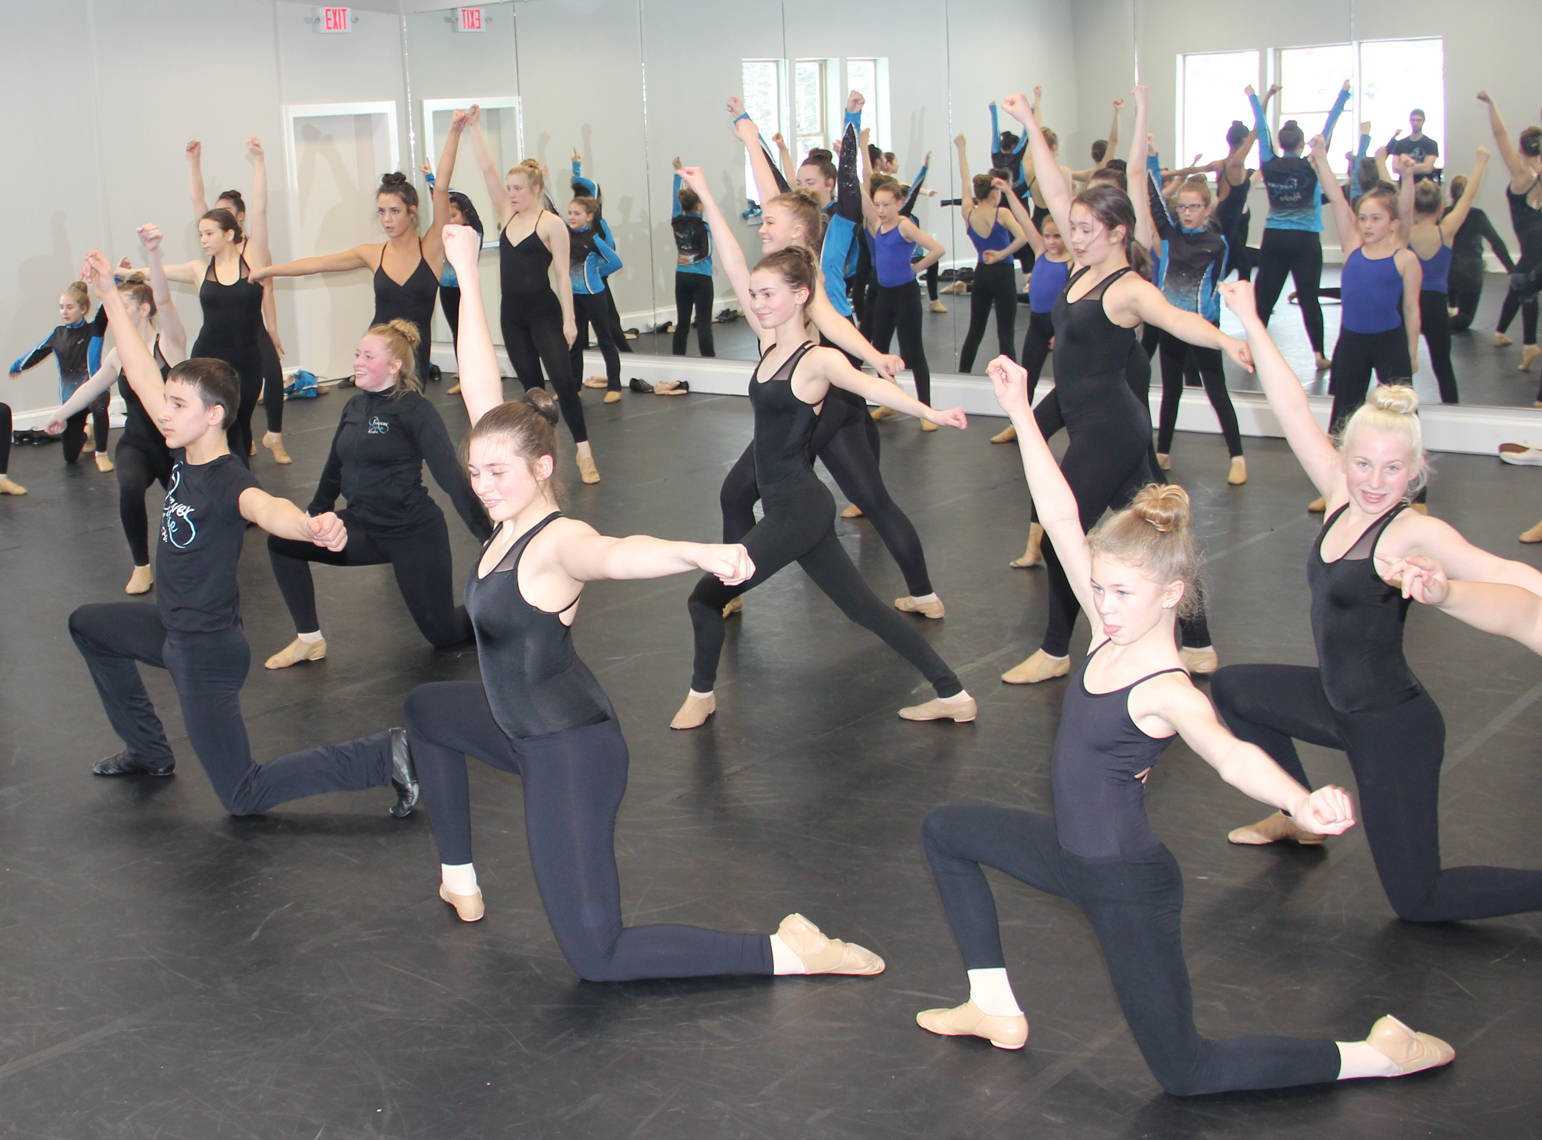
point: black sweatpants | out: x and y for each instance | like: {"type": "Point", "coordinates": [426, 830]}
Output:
{"type": "Point", "coordinates": [1135, 906]}
{"type": "Point", "coordinates": [272, 382]}
{"type": "Point", "coordinates": [693, 294]}
{"type": "Point", "coordinates": [420, 560]}
{"type": "Point", "coordinates": [74, 437]}
{"type": "Point", "coordinates": [1395, 753]}
{"type": "Point", "coordinates": [799, 526]}
{"type": "Point", "coordinates": [1435, 326]}
{"type": "Point", "coordinates": [1297, 253]}
{"type": "Point", "coordinates": [993, 287]}
{"type": "Point", "coordinates": [531, 343]}
{"type": "Point", "coordinates": [208, 670]}
{"type": "Point", "coordinates": [590, 309]}
{"type": "Point", "coordinates": [1355, 356]}
{"type": "Point", "coordinates": [138, 463]}
{"type": "Point", "coordinates": [897, 309]}
{"type": "Point", "coordinates": [1173, 353]}
{"type": "Point", "coordinates": [573, 784]}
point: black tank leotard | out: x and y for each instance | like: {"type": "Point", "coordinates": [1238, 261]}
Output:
{"type": "Point", "coordinates": [232, 322]}
{"type": "Point", "coordinates": [535, 682]}
{"type": "Point", "coordinates": [411, 300]}
{"type": "Point", "coordinates": [523, 272]}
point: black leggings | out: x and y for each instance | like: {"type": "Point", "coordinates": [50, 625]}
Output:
{"type": "Point", "coordinates": [1464, 288]}
{"type": "Point", "coordinates": [1299, 254]}
{"type": "Point", "coordinates": [5, 438]}
{"type": "Point", "coordinates": [693, 291]}
{"type": "Point", "coordinates": [799, 526]}
{"type": "Point", "coordinates": [1135, 906]}
{"type": "Point", "coordinates": [532, 342]}
{"type": "Point", "coordinates": [449, 301]}
{"type": "Point", "coordinates": [1435, 325]}
{"type": "Point", "coordinates": [1521, 298]}
{"type": "Point", "coordinates": [420, 559]}
{"type": "Point", "coordinates": [897, 308]}
{"type": "Point", "coordinates": [250, 373]}
{"type": "Point", "coordinates": [1036, 347]}
{"type": "Point", "coordinates": [994, 286]}
{"type": "Point", "coordinates": [1395, 753]}
{"type": "Point", "coordinates": [617, 333]}
{"type": "Point", "coordinates": [851, 458]}
{"type": "Point", "coordinates": [272, 383]}
{"type": "Point", "coordinates": [208, 670]}
{"type": "Point", "coordinates": [1238, 256]}
{"type": "Point", "coordinates": [589, 309]}
{"type": "Point", "coordinates": [74, 437]}
{"type": "Point", "coordinates": [1173, 354]}
{"type": "Point", "coordinates": [573, 784]}
{"type": "Point", "coordinates": [138, 464]}
{"type": "Point", "coordinates": [1355, 356]}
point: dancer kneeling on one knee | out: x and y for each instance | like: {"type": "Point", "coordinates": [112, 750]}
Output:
{"type": "Point", "coordinates": [539, 712]}
{"type": "Point", "coordinates": [1132, 695]}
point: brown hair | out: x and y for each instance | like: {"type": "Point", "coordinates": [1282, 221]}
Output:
{"type": "Point", "coordinates": [805, 213]}
{"type": "Point", "coordinates": [401, 339]}
{"type": "Point", "coordinates": [225, 220]}
{"type": "Point", "coordinates": [690, 202]}
{"type": "Point", "coordinates": [1530, 141]}
{"type": "Point", "coordinates": [1458, 187]}
{"type": "Point", "coordinates": [77, 292]}
{"type": "Point", "coordinates": [530, 170]}
{"type": "Point", "coordinates": [527, 426]}
{"type": "Point", "coordinates": [891, 185]}
{"type": "Point", "coordinates": [1384, 192]}
{"type": "Point", "coordinates": [795, 265]}
{"type": "Point", "coordinates": [1291, 135]}
{"type": "Point", "coordinates": [1153, 535]}
{"type": "Point", "coordinates": [587, 204]}
{"type": "Point", "coordinates": [215, 382]}
{"type": "Point", "coordinates": [1196, 184]}
{"type": "Point", "coordinates": [137, 292]}
{"type": "Point", "coordinates": [396, 184]}
{"type": "Point", "coordinates": [1427, 198]}
{"type": "Point", "coordinates": [982, 186]}
{"type": "Point", "coordinates": [1392, 408]}
{"type": "Point", "coordinates": [825, 167]}
{"type": "Point", "coordinates": [1112, 207]}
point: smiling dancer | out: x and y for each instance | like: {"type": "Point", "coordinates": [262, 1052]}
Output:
{"type": "Point", "coordinates": [76, 346]}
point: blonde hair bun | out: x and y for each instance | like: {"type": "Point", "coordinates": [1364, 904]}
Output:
{"type": "Point", "coordinates": [1399, 399]}
{"type": "Point", "coordinates": [407, 330]}
{"type": "Point", "coordinates": [1165, 507]}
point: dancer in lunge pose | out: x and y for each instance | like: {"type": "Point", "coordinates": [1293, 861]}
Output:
{"type": "Point", "coordinates": [76, 346]}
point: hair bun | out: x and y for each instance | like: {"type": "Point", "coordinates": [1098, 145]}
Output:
{"type": "Point", "coordinates": [1165, 506]}
{"type": "Point", "coordinates": [541, 400]}
{"type": "Point", "coordinates": [1290, 123]}
{"type": "Point", "coordinates": [395, 178]}
{"type": "Point", "coordinates": [408, 330]}
{"type": "Point", "coordinates": [1399, 399]}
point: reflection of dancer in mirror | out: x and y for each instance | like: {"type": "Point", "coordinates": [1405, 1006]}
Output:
{"type": "Point", "coordinates": [540, 714]}
{"type": "Point", "coordinates": [584, 187]}
{"type": "Point", "coordinates": [1523, 158]}
{"type": "Point", "coordinates": [1098, 851]}
{"type": "Point", "coordinates": [268, 345]}
{"type": "Point", "coordinates": [592, 260]}
{"type": "Point", "coordinates": [387, 432]}
{"type": "Point", "coordinates": [1109, 455]}
{"type": "Point", "coordinates": [1466, 279]}
{"type": "Point", "coordinates": [693, 268]}
{"type": "Point", "coordinates": [1362, 697]}
{"type": "Point", "coordinates": [538, 324]}
{"type": "Point", "coordinates": [194, 629]}
{"type": "Point", "coordinates": [76, 346]}
{"type": "Point", "coordinates": [996, 237]}
{"type": "Point", "coordinates": [847, 439]}
{"type": "Point", "coordinates": [406, 266]}
{"type": "Point", "coordinates": [792, 380]}
{"type": "Point", "coordinates": [141, 457]}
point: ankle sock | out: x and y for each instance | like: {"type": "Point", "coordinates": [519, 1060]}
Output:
{"type": "Point", "coordinates": [310, 638]}
{"type": "Point", "coordinates": [991, 992]}
{"type": "Point", "coordinates": [1360, 1059]}
{"type": "Point", "coordinates": [459, 878]}
{"type": "Point", "coordinates": [783, 960]}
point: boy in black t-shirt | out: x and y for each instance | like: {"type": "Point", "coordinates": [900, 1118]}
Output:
{"type": "Point", "coordinates": [1424, 149]}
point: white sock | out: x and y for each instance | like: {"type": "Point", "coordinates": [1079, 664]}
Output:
{"type": "Point", "coordinates": [701, 696]}
{"type": "Point", "coordinates": [458, 878]}
{"type": "Point", "coordinates": [783, 959]}
{"type": "Point", "coordinates": [991, 992]}
{"type": "Point", "coordinates": [311, 638]}
{"type": "Point", "coordinates": [923, 598]}
{"type": "Point", "coordinates": [1358, 1059]}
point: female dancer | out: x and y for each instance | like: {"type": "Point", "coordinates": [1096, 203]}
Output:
{"type": "Point", "coordinates": [1380, 286]}
{"type": "Point", "coordinates": [538, 325]}
{"type": "Point", "coordinates": [76, 346]}
{"type": "Point", "coordinates": [407, 267]}
{"type": "Point", "coordinates": [1193, 262]}
{"type": "Point", "coordinates": [1293, 233]}
{"type": "Point", "coordinates": [1095, 347]}
{"type": "Point", "coordinates": [142, 457]}
{"type": "Point", "coordinates": [1129, 699]}
{"type": "Point", "coordinates": [996, 238]}
{"type": "Point", "coordinates": [789, 385]}
{"type": "Point", "coordinates": [194, 629]}
{"type": "Point", "coordinates": [693, 269]}
{"type": "Point", "coordinates": [1362, 697]}
{"type": "Point", "coordinates": [231, 295]}
{"type": "Point", "coordinates": [460, 212]}
{"type": "Point", "coordinates": [1523, 158]}
{"type": "Point", "coordinates": [847, 442]}
{"type": "Point", "coordinates": [268, 345]}
{"type": "Point", "coordinates": [896, 302]}
{"type": "Point", "coordinates": [591, 260]}
{"type": "Point", "coordinates": [1466, 279]}
{"type": "Point", "coordinates": [1432, 238]}
{"type": "Point", "coordinates": [387, 432]}
{"type": "Point", "coordinates": [540, 713]}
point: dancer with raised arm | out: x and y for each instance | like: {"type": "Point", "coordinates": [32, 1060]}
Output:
{"type": "Point", "coordinates": [1362, 697]}
{"type": "Point", "coordinates": [1433, 240]}
{"type": "Point", "coordinates": [1130, 697]}
{"type": "Point", "coordinates": [1523, 159]}
{"type": "Point", "coordinates": [996, 237]}
{"type": "Point", "coordinates": [791, 382]}
{"type": "Point", "coordinates": [538, 712]}
{"type": "Point", "coordinates": [896, 301]}
{"type": "Point", "coordinates": [76, 346]}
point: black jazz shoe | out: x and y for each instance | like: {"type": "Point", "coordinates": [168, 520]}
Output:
{"type": "Point", "coordinates": [404, 777]}
{"type": "Point", "coordinates": [125, 764]}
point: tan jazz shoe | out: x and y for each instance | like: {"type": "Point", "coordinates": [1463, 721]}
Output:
{"type": "Point", "coordinates": [9, 486]}
{"type": "Point", "coordinates": [881, 413]}
{"type": "Point", "coordinates": [1237, 473]}
{"type": "Point", "coordinates": [734, 606]}
{"type": "Point", "coordinates": [1532, 535]}
{"type": "Point", "coordinates": [1317, 506]}
{"type": "Point", "coordinates": [1007, 434]}
{"type": "Point", "coordinates": [275, 443]}
{"type": "Point", "coordinates": [103, 461]}
{"type": "Point", "coordinates": [967, 1021]}
{"type": "Point", "coordinates": [468, 908]}
{"type": "Point", "coordinates": [1530, 353]}
{"type": "Point", "coordinates": [927, 425]}
{"type": "Point", "coordinates": [140, 581]}
{"type": "Point", "coordinates": [1040, 667]}
{"type": "Point", "coordinates": [297, 651]}
{"type": "Point", "coordinates": [587, 471]}
{"type": "Point", "coordinates": [852, 511]}
{"type": "Point", "coordinates": [1276, 828]}
{"type": "Point", "coordinates": [1164, 461]}
{"type": "Point", "coordinates": [1409, 1050]}
{"type": "Point", "coordinates": [1200, 662]}
{"type": "Point", "coordinates": [694, 711]}
{"type": "Point", "coordinates": [960, 709]}
{"type": "Point", "coordinates": [821, 954]}
{"type": "Point", "coordinates": [931, 609]}
{"type": "Point", "coordinates": [613, 396]}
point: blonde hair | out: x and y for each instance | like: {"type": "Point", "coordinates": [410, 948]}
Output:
{"type": "Point", "coordinates": [1153, 535]}
{"type": "Point", "coordinates": [1394, 410]}
{"type": "Point", "coordinates": [528, 426]}
{"type": "Point", "coordinates": [401, 338]}
{"type": "Point", "coordinates": [77, 292]}
{"type": "Point", "coordinates": [530, 169]}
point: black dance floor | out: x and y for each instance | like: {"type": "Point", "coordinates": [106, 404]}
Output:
{"type": "Point", "coordinates": [173, 973]}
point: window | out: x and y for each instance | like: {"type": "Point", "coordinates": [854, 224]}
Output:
{"type": "Point", "coordinates": [812, 115]}
{"type": "Point", "coordinates": [1210, 96]}
{"type": "Point", "coordinates": [1310, 79]}
{"type": "Point", "coordinates": [763, 101]}
{"type": "Point", "coordinates": [1397, 76]}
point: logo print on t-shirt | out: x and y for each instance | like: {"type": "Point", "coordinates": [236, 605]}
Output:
{"type": "Point", "coordinates": [177, 526]}
{"type": "Point", "coordinates": [378, 426]}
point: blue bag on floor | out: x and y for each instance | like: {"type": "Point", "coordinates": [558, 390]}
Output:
{"type": "Point", "coordinates": [303, 388]}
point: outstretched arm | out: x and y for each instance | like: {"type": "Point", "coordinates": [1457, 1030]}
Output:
{"type": "Point", "coordinates": [834, 369]}
{"type": "Point", "coordinates": [173, 336]}
{"type": "Point", "coordinates": [81, 398]}
{"type": "Point", "coordinates": [1260, 124]}
{"type": "Point", "coordinates": [767, 184]}
{"type": "Point", "coordinates": [490, 175]}
{"type": "Point", "coordinates": [1112, 149]}
{"type": "Point", "coordinates": [966, 202]}
{"type": "Point", "coordinates": [343, 260]}
{"type": "Point", "coordinates": [1453, 220]}
{"type": "Point", "coordinates": [1021, 216]}
{"type": "Point", "coordinates": [583, 555]}
{"type": "Point", "coordinates": [730, 253]}
{"type": "Point", "coordinates": [1506, 610]}
{"type": "Point", "coordinates": [439, 193]}
{"type": "Point", "coordinates": [1343, 215]}
{"type": "Point", "coordinates": [195, 178]}
{"type": "Point", "coordinates": [258, 250]}
{"type": "Point", "coordinates": [481, 385]}
{"type": "Point", "coordinates": [1140, 150]}
{"type": "Point", "coordinates": [282, 519]}
{"type": "Point", "coordinates": [1519, 173]}
{"type": "Point", "coordinates": [1052, 184]}
{"type": "Point", "coordinates": [139, 366]}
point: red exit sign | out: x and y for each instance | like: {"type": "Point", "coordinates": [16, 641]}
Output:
{"type": "Point", "coordinates": [333, 20]}
{"type": "Point", "coordinates": [470, 20]}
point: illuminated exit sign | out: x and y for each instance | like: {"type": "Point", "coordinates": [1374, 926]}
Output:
{"type": "Point", "coordinates": [334, 20]}
{"type": "Point", "coordinates": [470, 20]}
